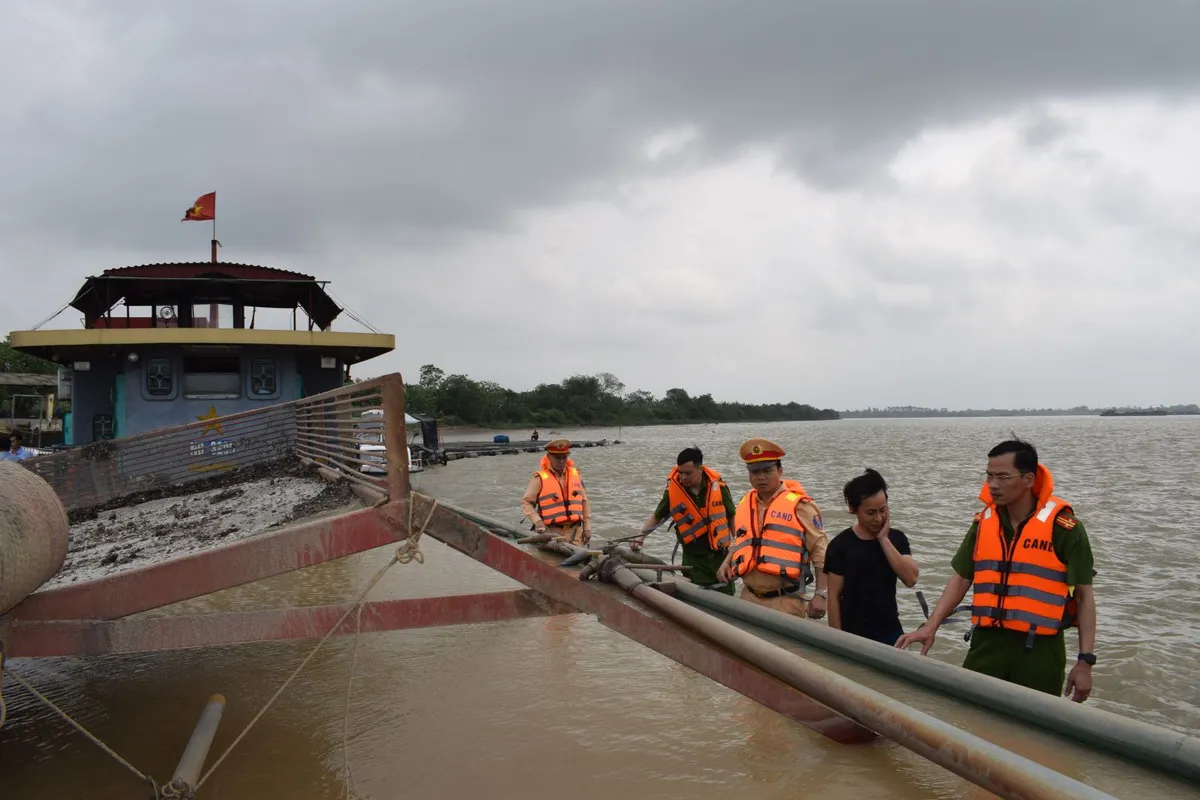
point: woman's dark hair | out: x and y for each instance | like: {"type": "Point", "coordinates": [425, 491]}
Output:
{"type": "Point", "coordinates": [858, 489]}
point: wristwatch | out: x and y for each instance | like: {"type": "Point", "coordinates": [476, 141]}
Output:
{"type": "Point", "coordinates": [1088, 658]}
{"type": "Point", "coordinates": [822, 593]}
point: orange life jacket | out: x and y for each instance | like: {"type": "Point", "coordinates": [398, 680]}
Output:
{"type": "Point", "coordinates": [560, 504]}
{"type": "Point", "coordinates": [778, 548]}
{"type": "Point", "coordinates": [693, 522]}
{"type": "Point", "coordinates": [1021, 586]}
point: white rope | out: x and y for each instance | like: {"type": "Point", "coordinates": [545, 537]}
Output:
{"type": "Point", "coordinates": [407, 552]}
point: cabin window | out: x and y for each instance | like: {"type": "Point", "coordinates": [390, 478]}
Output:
{"type": "Point", "coordinates": [211, 376]}
{"type": "Point", "coordinates": [102, 427]}
{"type": "Point", "coordinates": [263, 379]}
{"type": "Point", "coordinates": [160, 377]}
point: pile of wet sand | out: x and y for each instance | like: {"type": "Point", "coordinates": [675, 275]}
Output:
{"type": "Point", "coordinates": [153, 526]}
{"type": "Point", "coordinates": [283, 468]}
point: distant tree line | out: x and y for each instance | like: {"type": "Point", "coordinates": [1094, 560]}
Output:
{"type": "Point", "coordinates": [919, 411]}
{"type": "Point", "coordinates": [580, 400]}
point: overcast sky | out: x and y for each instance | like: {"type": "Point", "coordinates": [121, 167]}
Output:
{"type": "Point", "coordinates": [846, 204]}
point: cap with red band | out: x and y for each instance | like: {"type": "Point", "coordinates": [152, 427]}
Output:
{"type": "Point", "coordinates": [760, 453]}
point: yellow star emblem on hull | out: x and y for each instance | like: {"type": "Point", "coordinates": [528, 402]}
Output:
{"type": "Point", "coordinates": [215, 427]}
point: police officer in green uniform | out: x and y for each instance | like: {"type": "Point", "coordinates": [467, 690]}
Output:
{"type": "Point", "coordinates": [697, 527]}
{"type": "Point", "coordinates": [1021, 493]}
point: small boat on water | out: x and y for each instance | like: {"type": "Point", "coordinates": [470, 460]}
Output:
{"type": "Point", "coordinates": [1158, 411]}
{"type": "Point", "coordinates": [369, 432]}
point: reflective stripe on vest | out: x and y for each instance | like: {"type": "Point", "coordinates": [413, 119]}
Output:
{"type": "Point", "coordinates": [558, 504]}
{"type": "Point", "coordinates": [693, 523]}
{"type": "Point", "coordinates": [1021, 586]}
{"type": "Point", "coordinates": [778, 548]}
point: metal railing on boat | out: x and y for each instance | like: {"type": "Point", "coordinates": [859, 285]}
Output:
{"type": "Point", "coordinates": [327, 429]}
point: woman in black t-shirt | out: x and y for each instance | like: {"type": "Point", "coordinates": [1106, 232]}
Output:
{"type": "Point", "coordinates": [863, 562]}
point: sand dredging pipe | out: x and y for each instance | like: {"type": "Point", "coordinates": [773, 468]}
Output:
{"type": "Point", "coordinates": [981, 762]}
{"type": "Point", "coordinates": [1149, 745]}
{"type": "Point", "coordinates": [493, 525]}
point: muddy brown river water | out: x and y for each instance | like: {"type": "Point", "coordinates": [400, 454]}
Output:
{"type": "Point", "coordinates": [563, 706]}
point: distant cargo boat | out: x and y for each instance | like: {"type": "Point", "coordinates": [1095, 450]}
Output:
{"type": "Point", "coordinates": [1148, 412]}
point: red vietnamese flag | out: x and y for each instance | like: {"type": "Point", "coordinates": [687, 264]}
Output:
{"type": "Point", "coordinates": [204, 208]}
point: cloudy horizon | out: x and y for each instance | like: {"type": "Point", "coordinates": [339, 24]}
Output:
{"type": "Point", "coordinates": [847, 205]}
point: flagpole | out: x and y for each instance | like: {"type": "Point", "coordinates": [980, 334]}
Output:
{"type": "Point", "coordinates": [213, 312]}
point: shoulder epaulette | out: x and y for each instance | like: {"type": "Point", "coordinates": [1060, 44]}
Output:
{"type": "Point", "coordinates": [978, 516]}
{"type": "Point", "coordinates": [1066, 519]}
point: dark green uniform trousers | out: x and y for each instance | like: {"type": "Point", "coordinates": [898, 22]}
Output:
{"type": "Point", "coordinates": [704, 564]}
{"type": "Point", "coordinates": [1000, 653]}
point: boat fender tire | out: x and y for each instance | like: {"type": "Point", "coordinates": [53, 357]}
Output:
{"type": "Point", "coordinates": [33, 533]}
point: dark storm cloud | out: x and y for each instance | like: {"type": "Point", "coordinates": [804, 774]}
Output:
{"type": "Point", "coordinates": [419, 121]}
{"type": "Point", "coordinates": [433, 159]}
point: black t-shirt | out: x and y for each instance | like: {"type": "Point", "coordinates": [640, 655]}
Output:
{"type": "Point", "coordinates": [868, 599]}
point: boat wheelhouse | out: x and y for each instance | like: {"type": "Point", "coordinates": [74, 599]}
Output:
{"type": "Point", "coordinates": [167, 344]}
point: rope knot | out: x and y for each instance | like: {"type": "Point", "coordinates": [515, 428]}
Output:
{"type": "Point", "coordinates": [409, 552]}
{"type": "Point", "coordinates": [176, 791]}
{"type": "Point", "coordinates": [410, 549]}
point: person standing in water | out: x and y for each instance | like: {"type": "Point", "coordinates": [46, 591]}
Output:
{"type": "Point", "coordinates": [1029, 562]}
{"type": "Point", "coordinates": [700, 503]}
{"type": "Point", "coordinates": [778, 537]}
{"type": "Point", "coordinates": [555, 501]}
{"type": "Point", "coordinates": [863, 562]}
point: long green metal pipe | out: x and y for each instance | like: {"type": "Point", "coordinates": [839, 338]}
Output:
{"type": "Point", "coordinates": [1150, 745]}
{"type": "Point", "coordinates": [985, 764]}
{"type": "Point", "coordinates": [1140, 742]}
{"type": "Point", "coordinates": [502, 528]}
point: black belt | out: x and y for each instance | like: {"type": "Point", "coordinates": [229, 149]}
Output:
{"type": "Point", "coordinates": [775, 592]}
{"type": "Point", "coordinates": [1030, 637]}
